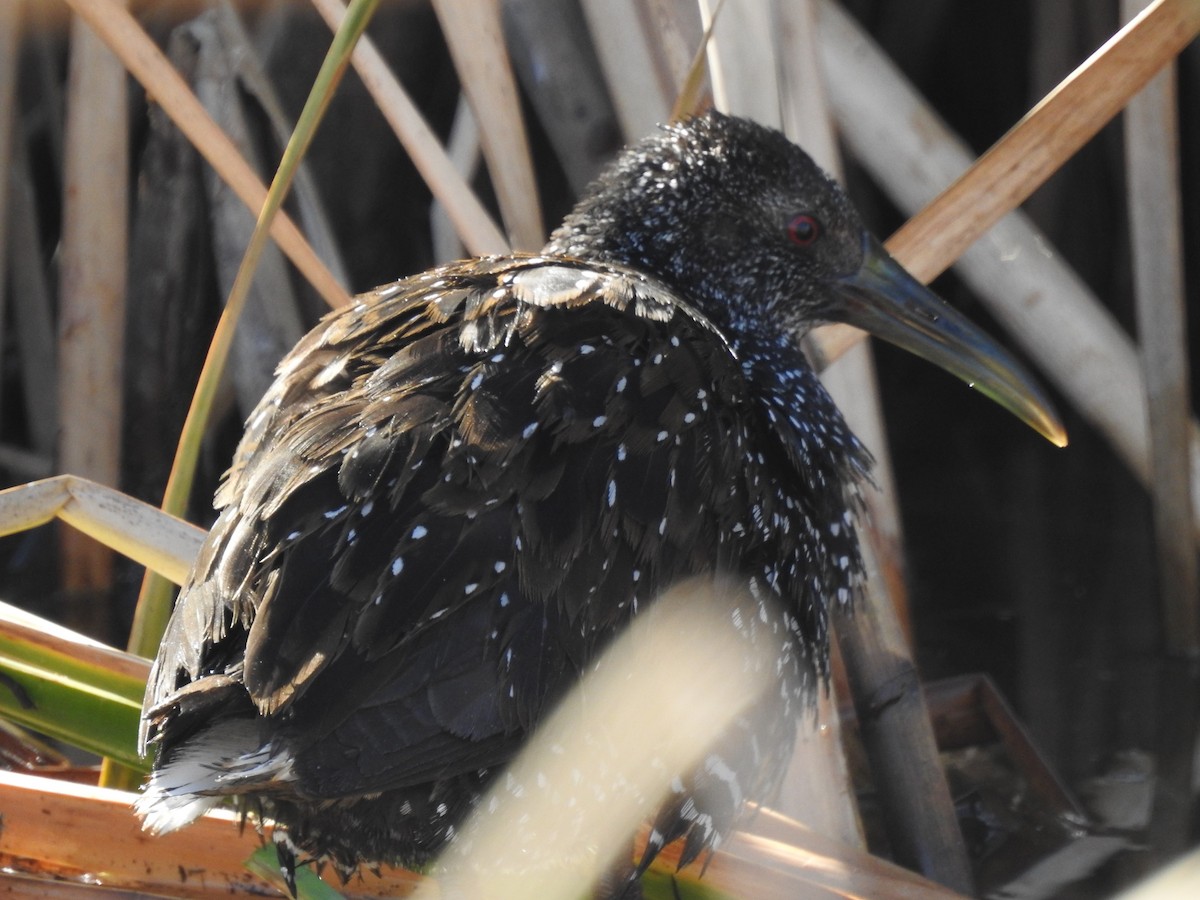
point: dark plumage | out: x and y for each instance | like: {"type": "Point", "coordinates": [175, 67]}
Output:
{"type": "Point", "coordinates": [460, 488]}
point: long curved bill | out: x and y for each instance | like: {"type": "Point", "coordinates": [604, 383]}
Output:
{"type": "Point", "coordinates": [883, 299]}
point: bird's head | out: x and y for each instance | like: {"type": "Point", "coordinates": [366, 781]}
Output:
{"type": "Point", "coordinates": [748, 228]}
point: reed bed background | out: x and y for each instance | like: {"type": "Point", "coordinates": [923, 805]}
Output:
{"type": "Point", "coordinates": [1064, 581]}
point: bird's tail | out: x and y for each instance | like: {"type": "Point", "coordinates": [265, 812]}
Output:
{"type": "Point", "coordinates": [194, 776]}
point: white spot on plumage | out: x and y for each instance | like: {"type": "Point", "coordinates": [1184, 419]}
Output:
{"type": "Point", "coordinates": [513, 786]}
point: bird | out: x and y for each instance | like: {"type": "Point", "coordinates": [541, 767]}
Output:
{"type": "Point", "coordinates": [463, 485]}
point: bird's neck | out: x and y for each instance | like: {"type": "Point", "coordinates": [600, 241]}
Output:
{"type": "Point", "coordinates": [790, 395]}
{"type": "Point", "coordinates": [800, 411]}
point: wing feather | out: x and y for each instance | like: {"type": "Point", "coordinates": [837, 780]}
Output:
{"type": "Point", "coordinates": [424, 546]}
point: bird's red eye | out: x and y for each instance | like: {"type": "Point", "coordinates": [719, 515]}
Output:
{"type": "Point", "coordinates": [803, 230]}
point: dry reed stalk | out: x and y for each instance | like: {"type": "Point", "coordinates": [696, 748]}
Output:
{"type": "Point", "coordinates": [91, 331]}
{"type": "Point", "coordinates": [556, 63]}
{"type": "Point", "coordinates": [122, 33]}
{"type": "Point", "coordinates": [476, 42]}
{"type": "Point", "coordinates": [1156, 223]}
{"type": "Point", "coordinates": [743, 71]}
{"type": "Point", "coordinates": [75, 830]}
{"type": "Point", "coordinates": [641, 96]}
{"type": "Point", "coordinates": [783, 860]}
{"type": "Point", "coordinates": [1036, 147]}
{"type": "Point", "coordinates": [1152, 177]}
{"type": "Point", "coordinates": [142, 532]}
{"type": "Point", "coordinates": [896, 731]}
{"type": "Point", "coordinates": [462, 147]}
{"type": "Point", "coordinates": [609, 760]}
{"type": "Point", "coordinates": [803, 100]}
{"type": "Point", "coordinates": [33, 630]}
{"type": "Point", "coordinates": [676, 30]}
{"type": "Point", "coordinates": [472, 221]}
{"type": "Point", "coordinates": [1050, 134]}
